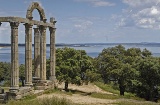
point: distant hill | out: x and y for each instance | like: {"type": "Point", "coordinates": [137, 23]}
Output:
{"type": "Point", "coordinates": [152, 44]}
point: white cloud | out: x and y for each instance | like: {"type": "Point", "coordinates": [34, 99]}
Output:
{"type": "Point", "coordinates": [141, 14]}
{"type": "Point", "coordinates": [82, 24]}
{"type": "Point", "coordinates": [98, 3]}
{"type": "Point", "coordinates": [154, 11]}
{"type": "Point", "coordinates": [139, 3]}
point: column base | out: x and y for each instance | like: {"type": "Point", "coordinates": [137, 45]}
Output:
{"type": "Point", "coordinates": [28, 84]}
{"type": "Point", "coordinates": [53, 78]}
{"type": "Point", "coordinates": [14, 89]}
{"type": "Point", "coordinates": [43, 81]}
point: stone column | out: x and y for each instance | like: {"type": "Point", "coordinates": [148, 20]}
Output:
{"type": "Point", "coordinates": [52, 54]}
{"type": "Point", "coordinates": [43, 52]}
{"type": "Point", "coordinates": [14, 56]}
{"type": "Point", "coordinates": [28, 55]}
{"type": "Point", "coordinates": [37, 52]}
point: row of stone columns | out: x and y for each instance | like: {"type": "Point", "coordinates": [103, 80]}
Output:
{"type": "Point", "coordinates": [39, 54]}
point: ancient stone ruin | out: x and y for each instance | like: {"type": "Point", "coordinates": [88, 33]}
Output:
{"type": "Point", "coordinates": [40, 81]}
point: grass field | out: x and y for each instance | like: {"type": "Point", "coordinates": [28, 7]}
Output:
{"type": "Point", "coordinates": [127, 99]}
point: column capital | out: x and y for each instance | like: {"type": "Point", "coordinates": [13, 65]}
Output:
{"type": "Point", "coordinates": [52, 29]}
{"type": "Point", "coordinates": [28, 25]}
{"type": "Point", "coordinates": [36, 29]}
{"type": "Point", "coordinates": [41, 27]}
{"type": "Point", "coordinates": [14, 24]}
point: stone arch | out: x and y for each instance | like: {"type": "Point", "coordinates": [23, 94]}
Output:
{"type": "Point", "coordinates": [35, 5]}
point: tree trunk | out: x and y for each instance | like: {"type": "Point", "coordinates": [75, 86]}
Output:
{"type": "Point", "coordinates": [122, 89]}
{"type": "Point", "coordinates": [22, 82]}
{"type": "Point", "coordinates": [66, 86]}
{"type": "Point", "coordinates": [121, 86]}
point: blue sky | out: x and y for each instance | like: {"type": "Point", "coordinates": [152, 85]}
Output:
{"type": "Point", "coordinates": [91, 21]}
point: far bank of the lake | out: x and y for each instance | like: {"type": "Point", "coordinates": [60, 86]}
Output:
{"type": "Point", "coordinates": [92, 49]}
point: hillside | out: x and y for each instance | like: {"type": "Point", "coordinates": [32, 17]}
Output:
{"type": "Point", "coordinates": [93, 95]}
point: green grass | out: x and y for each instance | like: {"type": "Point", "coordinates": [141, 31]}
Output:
{"type": "Point", "coordinates": [30, 97]}
{"type": "Point", "coordinates": [106, 87]}
{"type": "Point", "coordinates": [136, 103]}
{"type": "Point", "coordinates": [104, 96]}
{"type": "Point", "coordinates": [109, 88]}
{"type": "Point", "coordinates": [44, 101]}
{"type": "Point", "coordinates": [49, 91]}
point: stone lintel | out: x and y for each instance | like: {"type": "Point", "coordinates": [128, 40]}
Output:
{"type": "Point", "coordinates": [25, 20]}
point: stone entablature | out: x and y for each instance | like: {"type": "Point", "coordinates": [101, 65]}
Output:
{"type": "Point", "coordinates": [31, 22]}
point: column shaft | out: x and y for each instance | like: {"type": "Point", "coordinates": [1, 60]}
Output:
{"type": "Point", "coordinates": [43, 53]}
{"type": "Point", "coordinates": [37, 52]}
{"type": "Point", "coordinates": [52, 53]}
{"type": "Point", "coordinates": [14, 56]}
{"type": "Point", "coordinates": [28, 55]}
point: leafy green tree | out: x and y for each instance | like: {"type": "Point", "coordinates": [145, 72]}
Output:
{"type": "Point", "coordinates": [118, 64]}
{"type": "Point", "coordinates": [124, 75]}
{"type": "Point", "coordinates": [5, 70]}
{"type": "Point", "coordinates": [149, 78]}
{"type": "Point", "coordinates": [146, 53]}
{"type": "Point", "coordinates": [72, 66]}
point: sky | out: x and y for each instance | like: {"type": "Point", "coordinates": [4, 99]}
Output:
{"type": "Point", "coordinates": [90, 21]}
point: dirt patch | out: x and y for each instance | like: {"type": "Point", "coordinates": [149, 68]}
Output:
{"type": "Point", "coordinates": [88, 100]}
{"type": "Point", "coordinates": [81, 99]}
{"type": "Point", "coordinates": [90, 88]}
{"type": "Point", "coordinates": [77, 98]}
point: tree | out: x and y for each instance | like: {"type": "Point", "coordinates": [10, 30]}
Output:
{"type": "Point", "coordinates": [146, 53]}
{"type": "Point", "coordinates": [124, 75]}
{"type": "Point", "coordinates": [118, 64]}
{"type": "Point", "coordinates": [149, 69]}
{"type": "Point", "coordinates": [5, 71]}
{"type": "Point", "coordinates": [71, 66]}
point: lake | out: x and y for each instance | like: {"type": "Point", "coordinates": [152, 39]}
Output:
{"type": "Point", "coordinates": [92, 50]}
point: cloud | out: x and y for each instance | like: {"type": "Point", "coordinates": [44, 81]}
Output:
{"type": "Point", "coordinates": [140, 3]}
{"type": "Point", "coordinates": [81, 24]}
{"type": "Point", "coordinates": [140, 14]}
{"type": "Point", "coordinates": [84, 25]}
{"type": "Point", "coordinates": [97, 3]}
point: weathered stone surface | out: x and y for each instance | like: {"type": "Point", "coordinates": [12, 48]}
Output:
{"type": "Point", "coordinates": [37, 52]}
{"type": "Point", "coordinates": [2, 96]}
{"type": "Point", "coordinates": [43, 53]}
{"type": "Point", "coordinates": [14, 55]}
{"type": "Point", "coordinates": [52, 54]}
{"type": "Point", "coordinates": [24, 20]}
{"type": "Point", "coordinates": [41, 83]}
{"type": "Point", "coordinates": [28, 55]}
{"type": "Point", "coordinates": [1, 91]}
{"type": "Point", "coordinates": [35, 5]}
